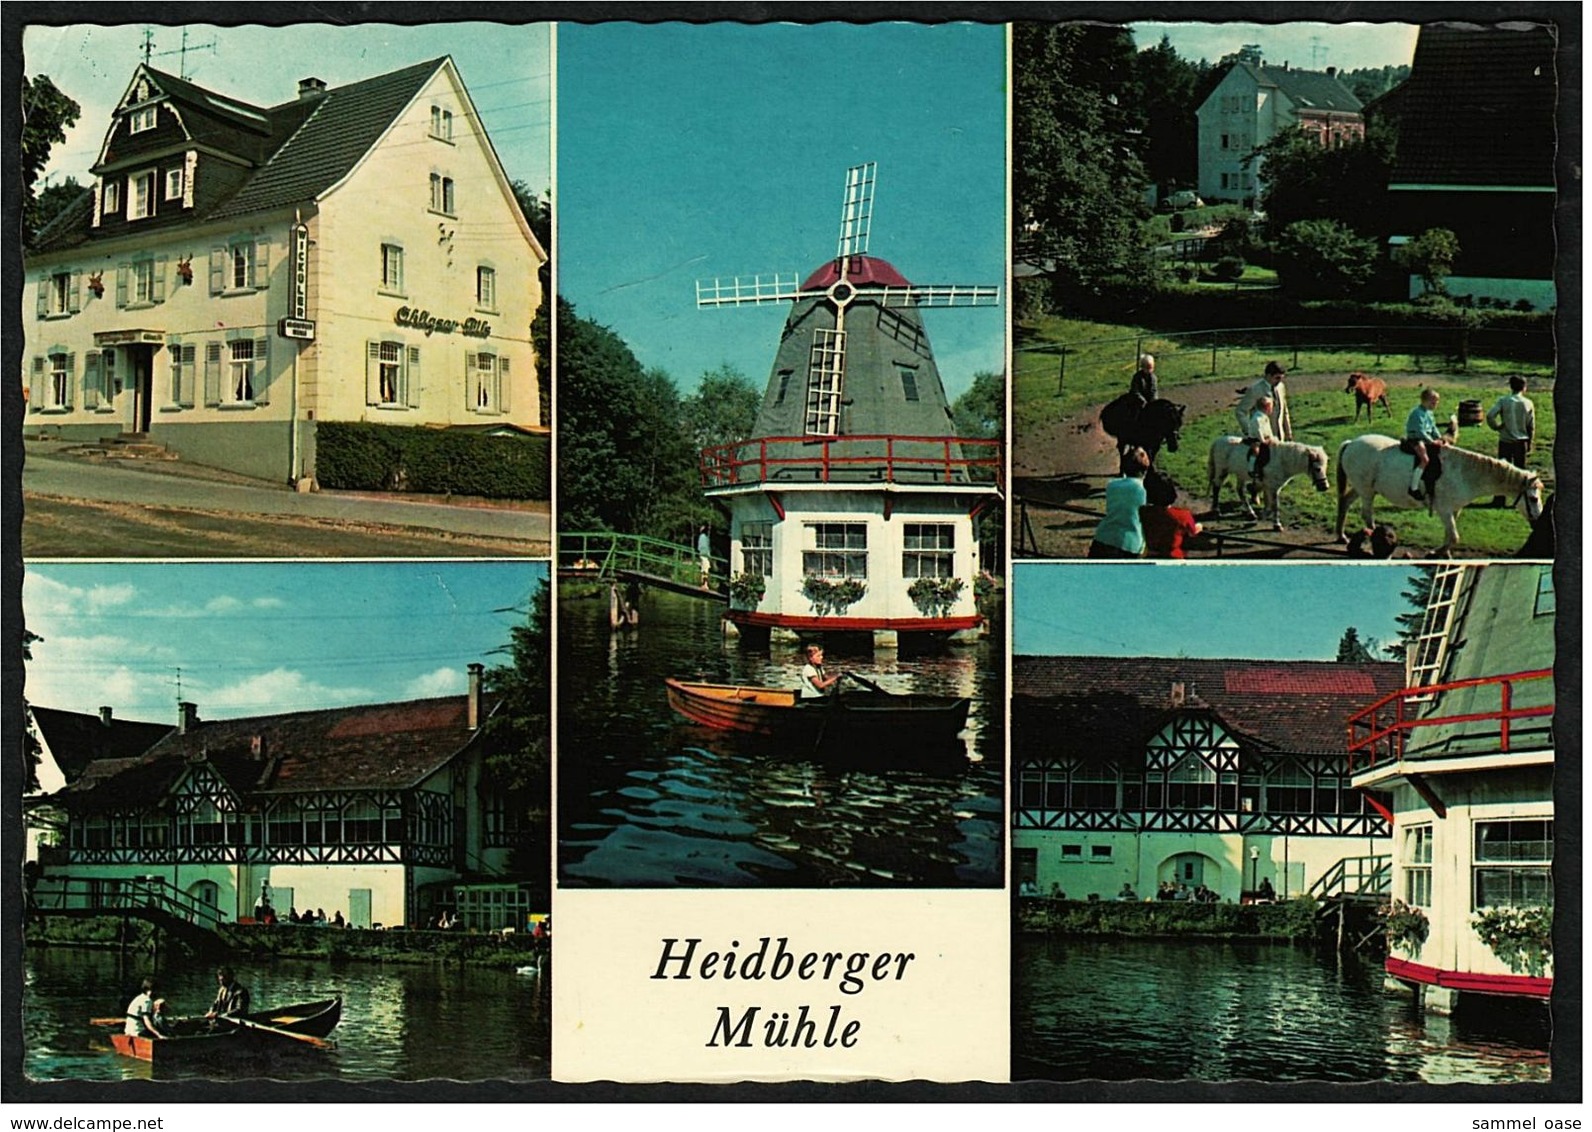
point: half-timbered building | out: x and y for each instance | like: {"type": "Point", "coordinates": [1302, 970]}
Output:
{"type": "Point", "coordinates": [379, 811]}
{"type": "Point", "coordinates": [1222, 773]}
{"type": "Point", "coordinates": [1466, 753]}
{"type": "Point", "coordinates": [239, 274]}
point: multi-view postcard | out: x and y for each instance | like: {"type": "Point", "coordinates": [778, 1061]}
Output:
{"type": "Point", "coordinates": [1019, 557]}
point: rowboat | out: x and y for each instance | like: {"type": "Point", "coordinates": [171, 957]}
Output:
{"type": "Point", "coordinates": [859, 721]}
{"type": "Point", "coordinates": [262, 1034]}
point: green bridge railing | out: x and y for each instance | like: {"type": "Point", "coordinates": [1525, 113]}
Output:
{"type": "Point", "coordinates": [605, 554]}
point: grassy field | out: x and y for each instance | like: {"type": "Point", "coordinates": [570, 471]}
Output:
{"type": "Point", "coordinates": [1101, 358]}
{"type": "Point", "coordinates": [1324, 418]}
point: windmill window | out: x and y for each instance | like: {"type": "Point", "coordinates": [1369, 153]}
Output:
{"type": "Point", "coordinates": [836, 550]}
{"type": "Point", "coordinates": [928, 550]}
{"type": "Point", "coordinates": [1513, 864]}
{"type": "Point", "coordinates": [1418, 866]}
{"type": "Point", "coordinates": [1546, 602]}
{"type": "Point", "coordinates": [757, 548]}
{"type": "Point", "coordinates": [784, 384]}
{"type": "Point", "coordinates": [909, 382]}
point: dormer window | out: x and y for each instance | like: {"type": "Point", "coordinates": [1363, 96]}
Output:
{"type": "Point", "coordinates": [174, 184]}
{"type": "Point", "coordinates": [141, 195]}
{"type": "Point", "coordinates": [111, 198]}
{"type": "Point", "coordinates": [142, 119]}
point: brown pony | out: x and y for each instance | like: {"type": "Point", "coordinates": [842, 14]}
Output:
{"type": "Point", "coordinates": [1368, 391]}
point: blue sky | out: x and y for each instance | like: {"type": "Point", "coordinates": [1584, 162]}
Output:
{"type": "Point", "coordinates": [687, 152]}
{"type": "Point", "coordinates": [1296, 611]}
{"type": "Point", "coordinates": [259, 638]}
{"type": "Point", "coordinates": [1312, 46]}
{"type": "Point", "coordinates": [506, 70]}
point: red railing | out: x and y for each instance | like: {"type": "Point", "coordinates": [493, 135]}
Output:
{"type": "Point", "coordinates": [1381, 731]}
{"type": "Point", "coordinates": [854, 459]}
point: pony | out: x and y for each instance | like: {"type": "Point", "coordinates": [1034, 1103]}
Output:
{"type": "Point", "coordinates": [1373, 465]}
{"type": "Point", "coordinates": [1229, 457]}
{"type": "Point", "coordinates": [1368, 391]}
{"type": "Point", "coordinates": [1137, 425]}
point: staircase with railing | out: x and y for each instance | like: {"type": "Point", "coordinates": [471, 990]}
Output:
{"type": "Point", "coordinates": [1351, 894]}
{"type": "Point", "coordinates": [147, 898]}
{"type": "Point", "coordinates": [606, 556]}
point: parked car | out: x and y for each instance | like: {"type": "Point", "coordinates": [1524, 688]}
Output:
{"type": "Point", "coordinates": [1187, 198]}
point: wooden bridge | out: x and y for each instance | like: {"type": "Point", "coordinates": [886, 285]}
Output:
{"type": "Point", "coordinates": [608, 556]}
{"type": "Point", "coordinates": [1352, 894]}
{"type": "Point", "coordinates": [153, 900]}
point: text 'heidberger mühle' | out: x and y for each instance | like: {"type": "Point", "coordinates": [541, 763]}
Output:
{"type": "Point", "coordinates": [807, 1027]}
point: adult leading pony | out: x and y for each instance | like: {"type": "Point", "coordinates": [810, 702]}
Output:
{"type": "Point", "coordinates": [1229, 457]}
{"type": "Point", "coordinates": [1373, 465]}
{"type": "Point", "coordinates": [1135, 424]}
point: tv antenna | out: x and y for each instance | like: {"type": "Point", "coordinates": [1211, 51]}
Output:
{"type": "Point", "coordinates": [181, 51]}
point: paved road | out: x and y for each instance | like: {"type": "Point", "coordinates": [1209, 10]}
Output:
{"type": "Point", "coordinates": [70, 478]}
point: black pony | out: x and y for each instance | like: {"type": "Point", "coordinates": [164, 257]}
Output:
{"type": "Point", "coordinates": [1137, 425]}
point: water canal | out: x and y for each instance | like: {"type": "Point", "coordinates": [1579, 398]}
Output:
{"type": "Point", "coordinates": [647, 800]}
{"type": "Point", "coordinates": [392, 1018]}
{"type": "Point", "coordinates": [1193, 1010]}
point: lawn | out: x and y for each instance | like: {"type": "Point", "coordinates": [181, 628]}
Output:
{"type": "Point", "coordinates": [1324, 418]}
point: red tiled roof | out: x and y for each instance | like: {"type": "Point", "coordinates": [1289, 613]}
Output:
{"type": "Point", "coordinates": [1114, 704]}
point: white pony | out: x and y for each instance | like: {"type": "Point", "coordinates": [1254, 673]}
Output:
{"type": "Point", "coordinates": [1230, 457]}
{"type": "Point", "coordinates": [1373, 465]}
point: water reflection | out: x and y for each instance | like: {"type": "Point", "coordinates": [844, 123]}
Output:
{"type": "Point", "coordinates": [1120, 1010]}
{"type": "Point", "coordinates": [647, 799]}
{"type": "Point", "coordinates": [392, 1019]}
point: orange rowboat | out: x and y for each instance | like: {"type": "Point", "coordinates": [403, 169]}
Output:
{"type": "Point", "coordinates": [859, 720]}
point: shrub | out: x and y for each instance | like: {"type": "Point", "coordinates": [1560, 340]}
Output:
{"type": "Point", "coordinates": [1229, 268]}
{"type": "Point", "coordinates": [358, 456]}
{"type": "Point", "coordinates": [832, 597]}
{"type": "Point", "coordinates": [1431, 255]}
{"type": "Point", "coordinates": [935, 596]}
{"type": "Point", "coordinates": [1178, 222]}
{"type": "Point", "coordinates": [1324, 259]}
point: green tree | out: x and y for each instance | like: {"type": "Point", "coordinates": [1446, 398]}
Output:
{"type": "Point", "coordinates": [517, 735]}
{"type": "Point", "coordinates": [1351, 650]}
{"type": "Point", "coordinates": [1164, 85]}
{"type": "Point", "coordinates": [1305, 181]}
{"type": "Point", "coordinates": [981, 411]}
{"type": "Point", "coordinates": [1431, 255]}
{"type": "Point", "coordinates": [723, 409]}
{"type": "Point", "coordinates": [1318, 259]}
{"type": "Point", "coordinates": [1078, 183]}
{"type": "Point", "coordinates": [1418, 592]}
{"type": "Point", "coordinates": [46, 116]}
{"type": "Point", "coordinates": [538, 213]}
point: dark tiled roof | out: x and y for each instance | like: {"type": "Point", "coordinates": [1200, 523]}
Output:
{"type": "Point", "coordinates": [1112, 705]}
{"type": "Point", "coordinates": [345, 123]}
{"type": "Point", "coordinates": [76, 739]}
{"type": "Point", "coordinates": [1307, 90]}
{"type": "Point", "coordinates": [367, 747]}
{"type": "Point", "coordinates": [1478, 107]}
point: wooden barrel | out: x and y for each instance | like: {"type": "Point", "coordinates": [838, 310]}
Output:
{"type": "Point", "coordinates": [1470, 413]}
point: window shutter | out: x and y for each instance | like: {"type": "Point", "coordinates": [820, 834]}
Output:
{"type": "Point", "coordinates": [218, 270]}
{"type": "Point", "coordinates": [470, 405]}
{"type": "Point", "coordinates": [74, 300]}
{"type": "Point", "coordinates": [36, 386]}
{"type": "Point", "coordinates": [372, 373]}
{"type": "Point", "coordinates": [185, 394]}
{"type": "Point", "coordinates": [122, 270]}
{"type": "Point", "coordinates": [503, 384]}
{"type": "Point", "coordinates": [91, 381]}
{"type": "Point", "coordinates": [157, 292]}
{"type": "Point", "coordinates": [262, 371]}
{"type": "Point", "coordinates": [212, 373]}
{"type": "Point", "coordinates": [71, 371]}
{"type": "Point", "coordinates": [262, 263]}
{"type": "Point", "coordinates": [412, 384]}
{"type": "Point", "coordinates": [43, 307]}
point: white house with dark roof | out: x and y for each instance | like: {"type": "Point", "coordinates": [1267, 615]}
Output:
{"type": "Point", "coordinates": [1254, 103]}
{"type": "Point", "coordinates": [240, 273]}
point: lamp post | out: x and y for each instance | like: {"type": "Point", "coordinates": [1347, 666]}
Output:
{"type": "Point", "coordinates": [1254, 869]}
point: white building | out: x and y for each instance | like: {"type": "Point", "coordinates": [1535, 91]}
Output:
{"type": "Point", "coordinates": [239, 274]}
{"type": "Point", "coordinates": [1466, 752]}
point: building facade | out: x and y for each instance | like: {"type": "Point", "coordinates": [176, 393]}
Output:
{"type": "Point", "coordinates": [239, 273]}
{"type": "Point", "coordinates": [1223, 773]}
{"type": "Point", "coordinates": [379, 811]}
{"type": "Point", "coordinates": [1466, 754]}
{"type": "Point", "coordinates": [1254, 103]}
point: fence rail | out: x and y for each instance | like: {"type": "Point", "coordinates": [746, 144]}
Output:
{"type": "Point", "coordinates": [1381, 731]}
{"type": "Point", "coordinates": [1370, 875]}
{"type": "Point", "coordinates": [854, 459]}
{"type": "Point", "coordinates": [603, 554]}
{"type": "Point", "coordinates": [89, 895]}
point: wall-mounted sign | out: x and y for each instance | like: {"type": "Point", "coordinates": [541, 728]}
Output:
{"type": "Point", "coordinates": [301, 328]}
{"type": "Point", "coordinates": [430, 324]}
{"type": "Point", "coordinates": [130, 338]}
{"type": "Point", "coordinates": [301, 275]}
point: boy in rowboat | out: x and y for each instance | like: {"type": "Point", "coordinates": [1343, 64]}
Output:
{"type": "Point", "coordinates": [232, 997]}
{"type": "Point", "coordinates": [141, 1013]}
{"type": "Point", "coordinates": [815, 683]}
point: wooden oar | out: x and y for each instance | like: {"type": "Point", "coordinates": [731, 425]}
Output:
{"type": "Point", "coordinates": [308, 1039]}
{"type": "Point", "coordinates": [868, 684]}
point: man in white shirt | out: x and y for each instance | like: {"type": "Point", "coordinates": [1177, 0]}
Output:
{"type": "Point", "coordinates": [1514, 419]}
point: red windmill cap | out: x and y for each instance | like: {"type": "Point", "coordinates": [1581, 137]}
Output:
{"type": "Point", "coordinates": [865, 271]}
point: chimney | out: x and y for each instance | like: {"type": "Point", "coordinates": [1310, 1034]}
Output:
{"type": "Point", "coordinates": [473, 711]}
{"type": "Point", "coordinates": [256, 746]}
{"type": "Point", "coordinates": [311, 88]}
{"type": "Point", "coordinates": [187, 716]}
{"type": "Point", "coordinates": [1179, 694]}
{"type": "Point", "coordinates": [105, 716]}
{"type": "Point", "coordinates": [1332, 72]}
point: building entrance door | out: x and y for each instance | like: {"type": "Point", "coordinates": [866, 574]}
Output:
{"type": "Point", "coordinates": [141, 363]}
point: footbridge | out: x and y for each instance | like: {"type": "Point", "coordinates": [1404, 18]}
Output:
{"type": "Point", "coordinates": [608, 556]}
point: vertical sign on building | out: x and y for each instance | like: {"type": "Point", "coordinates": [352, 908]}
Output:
{"type": "Point", "coordinates": [297, 325]}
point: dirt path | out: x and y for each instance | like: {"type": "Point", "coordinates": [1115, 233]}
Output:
{"type": "Point", "coordinates": [1059, 474]}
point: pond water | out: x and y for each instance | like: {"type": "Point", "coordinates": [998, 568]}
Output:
{"type": "Point", "coordinates": [1193, 1010]}
{"type": "Point", "coordinates": [649, 800]}
{"type": "Point", "coordinates": [392, 1018]}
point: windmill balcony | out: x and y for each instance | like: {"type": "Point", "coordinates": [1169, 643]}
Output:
{"type": "Point", "coordinates": [855, 461]}
{"type": "Point", "coordinates": [1487, 717]}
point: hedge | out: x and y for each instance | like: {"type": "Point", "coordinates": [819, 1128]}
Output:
{"type": "Point", "coordinates": [374, 457]}
{"type": "Point", "coordinates": [1292, 919]}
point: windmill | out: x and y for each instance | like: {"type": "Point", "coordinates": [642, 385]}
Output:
{"type": "Point", "coordinates": [820, 308]}
{"type": "Point", "coordinates": [853, 481]}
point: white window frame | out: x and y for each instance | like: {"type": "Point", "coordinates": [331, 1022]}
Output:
{"type": "Point", "coordinates": [184, 374]}
{"type": "Point", "coordinates": [110, 198]}
{"type": "Point", "coordinates": [58, 371]}
{"type": "Point", "coordinates": [928, 544]}
{"type": "Point", "coordinates": [835, 549]}
{"type": "Point", "coordinates": [238, 388]}
{"type": "Point", "coordinates": [1512, 862]}
{"type": "Point", "coordinates": [135, 211]}
{"type": "Point", "coordinates": [442, 124]}
{"type": "Point", "coordinates": [142, 119]}
{"type": "Point", "coordinates": [240, 265]}
{"type": "Point", "coordinates": [174, 183]}
{"type": "Point", "coordinates": [485, 288]}
{"type": "Point", "coordinates": [392, 269]}
{"type": "Point", "coordinates": [757, 547]}
{"type": "Point", "coordinates": [442, 194]}
{"type": "Point", "coordinates": [392, 374]}
{"type": "Point", "coordinates": [487, 378]}
{"type": "Point", "coordinates": [141, 284]}
{"type": "Point", "coordinates": [1418, 866]}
